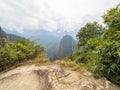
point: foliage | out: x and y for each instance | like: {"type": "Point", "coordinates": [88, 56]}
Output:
{"type": "Point", "coordinates": [90, 30]}
{"type": "Point", "coordinates": [110, 61]}
{"type": "Point", "coordinates": [101, 54]}
{"type": "Point", "coordinates": [112, 21]}
{"type": "Point", "coordinates": [3, 41]}
{"type": "Point", "coordinates": [112, 18]}
{"type": "Point", "coordinates": [18, 51]}
{"type": "Point", "coordinates": [105, 60]}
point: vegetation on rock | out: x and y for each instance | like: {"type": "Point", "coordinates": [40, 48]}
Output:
{"type": "Point", "coordinates": [18, 51]}
{"type": "Point", "coordinates": [99, 49]}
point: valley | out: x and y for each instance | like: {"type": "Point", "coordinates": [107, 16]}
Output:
{"type": "Point", "coordinates": [59, 45]}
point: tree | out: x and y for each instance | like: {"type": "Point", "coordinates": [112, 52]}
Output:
{"type": "Point", "coordinates": [112, 21]}
{"type": "Point", "coordinates": [101, 54]}
{"type": "Point", "coordinates": [105, 55]}
{"type": "Point", "coordinates": [18, 51]}
{"type": "Point", "coordinates": [90, 30]}
{"type": "Point", "coordinates": [112, 18]}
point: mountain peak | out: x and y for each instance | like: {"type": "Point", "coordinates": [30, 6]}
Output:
{"type": "Point", "coordinates": [66, 47]}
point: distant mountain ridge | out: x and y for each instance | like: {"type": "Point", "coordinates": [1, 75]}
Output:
{"type": "Point", "coordinates": [14, 37]}
{"type": "Point", "coordinates": [11, 37]}
{"type": "Point", "coordinates": [50, 40]}
{"type": "Point", "coordinates": [2, 34]}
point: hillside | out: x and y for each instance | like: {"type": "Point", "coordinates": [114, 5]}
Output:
{"type": "Point", "coordinates": [11, 37]}
{"type": "Point", "coordinates": [52, 77]}
{"type": "Point", "coordinates": [2, 33]}
{"type": "Point", "coordinates": [14, 37]}
{"type": "Point", "coordinates": [66, 47]}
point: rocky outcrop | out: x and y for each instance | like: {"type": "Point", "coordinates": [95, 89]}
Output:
{"type": "Point", "coordinates": [66, 47]}
{"type": "Point", "coordinates": [52, 77]}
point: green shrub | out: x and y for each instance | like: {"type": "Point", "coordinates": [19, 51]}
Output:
{"type": "Point", "coordinates": [102, 54]}
{"type": "Point", "coordinates": [15, 52]}
{"type": "Point", "coordinates": [109, 54]}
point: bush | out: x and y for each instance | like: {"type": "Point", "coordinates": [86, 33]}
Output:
{"type": "Point", "coordinates": [105, 60]}
{"type": "Point", "coordinates": [18, 51]}
{"type": "Point", "coordinates": [102, 54]}
{"type": "Point", "coordinates": [109, 66]}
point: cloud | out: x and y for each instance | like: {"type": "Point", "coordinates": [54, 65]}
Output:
{"type": "Point", "coordinates": [65, 15]}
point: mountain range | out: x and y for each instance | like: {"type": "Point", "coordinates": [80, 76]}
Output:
{"type": "Point", "coordinates": [50, 40]}
{"type": "Point", "coordinates": [11, 37]}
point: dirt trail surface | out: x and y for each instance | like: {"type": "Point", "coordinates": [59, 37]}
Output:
{"type": "Point", "coordinates": [52, 77]}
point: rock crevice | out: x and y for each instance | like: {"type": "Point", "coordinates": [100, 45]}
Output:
{"type": "Point", "coordinates": [52, 77]}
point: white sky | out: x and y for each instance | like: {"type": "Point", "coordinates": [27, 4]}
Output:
{"type": "Point", "coordinates": [51, 15]}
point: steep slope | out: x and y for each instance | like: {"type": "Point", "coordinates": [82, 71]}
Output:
{"type": "Point", "coordinates": [2, 36]}
{"type": "Point", "coordinates": [66, 47]}
{"type": "Point", "coordinates": [14, 37]}
{"type": "Point", "coordinates": [2, 33]}
{"type": "Point", "coordinates": [52, 77]}
{"type": "Point", "coordinates": [11, 37]}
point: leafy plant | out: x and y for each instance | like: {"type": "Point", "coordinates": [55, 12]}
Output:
{"type": "Point", "coordinates": [101, 53]}
{"type": "Point", "coordinates": [18, 51]}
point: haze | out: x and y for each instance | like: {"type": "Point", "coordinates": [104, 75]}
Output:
{"type": "Point", "coordinates": [51, 15]}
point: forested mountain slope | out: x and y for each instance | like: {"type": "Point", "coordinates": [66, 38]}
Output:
{"type": "Point", "coordinates": [66, 47]}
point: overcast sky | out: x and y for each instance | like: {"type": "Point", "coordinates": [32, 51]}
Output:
{"type": "Point", "coordinates": [51, 15]}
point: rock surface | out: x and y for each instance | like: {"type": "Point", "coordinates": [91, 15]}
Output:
{"type": "Point", "coordinates": [66, 47]}
{"type": "Point", "coordinates": [52, 77]}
